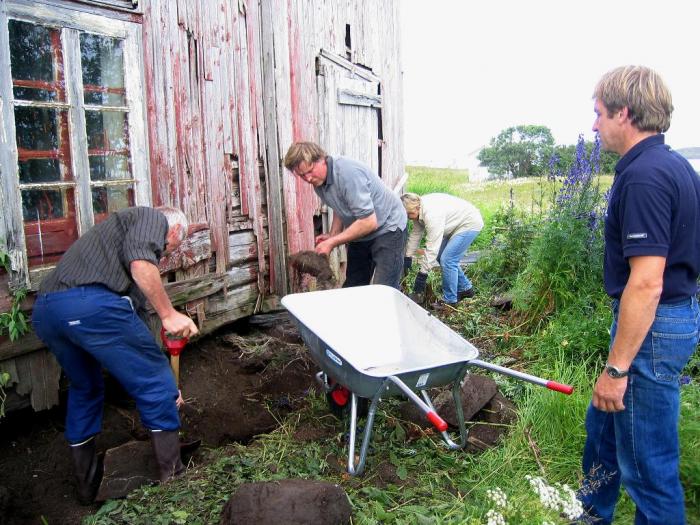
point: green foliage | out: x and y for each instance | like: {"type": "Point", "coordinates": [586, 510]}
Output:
{"type": "Point", "coordinates": [565, 260]}
{"type": "Point", "coordinates": [510, 233]}
{"type": "Point", "coordinates": [13, 323]}
{"type": "Point", "coordinates": [565, 157]}
{"type": "Point", "coordinates": [424, 180]}
{"type": "Point", "coordinates": [519, 151]}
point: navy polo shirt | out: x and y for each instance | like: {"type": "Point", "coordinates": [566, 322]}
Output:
{"type": "Point", "coordinates": [654, 209]}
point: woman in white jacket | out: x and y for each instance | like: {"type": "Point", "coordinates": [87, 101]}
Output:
{"type": "Point", "coordinates": [450, 225]}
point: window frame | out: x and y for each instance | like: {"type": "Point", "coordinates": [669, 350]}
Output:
{"type": "Point", "coordinates": [71, 23]}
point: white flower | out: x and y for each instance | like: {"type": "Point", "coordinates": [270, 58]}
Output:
{"type": "Point", "coordinates": [497, 496]}
{"type": "Point", "coordinates": [561, 499]}
{"type": "Point", "coordinates": [494, 517]}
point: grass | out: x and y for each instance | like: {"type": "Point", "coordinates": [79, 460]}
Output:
{"type": "Point", "coordinates": [435, 485]}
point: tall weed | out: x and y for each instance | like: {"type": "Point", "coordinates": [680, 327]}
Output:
{"type": "Point", "coordinates": [565, 259]}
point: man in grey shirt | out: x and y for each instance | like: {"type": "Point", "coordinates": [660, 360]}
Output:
{"type": "Point", "coordinates": [367, 216]}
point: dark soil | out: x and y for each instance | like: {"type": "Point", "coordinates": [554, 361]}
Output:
{"type": "Point", "coordinates": [316, 265]}
{"type": "Point", "coordinates": [289, 501]}
{"type": "Point", "coordinates": [237, 384]}
{"type": "Point", "coordinates": [233, 383]}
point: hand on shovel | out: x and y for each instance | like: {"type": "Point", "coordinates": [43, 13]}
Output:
{"type": "Point", "coordinates": [180, 401]}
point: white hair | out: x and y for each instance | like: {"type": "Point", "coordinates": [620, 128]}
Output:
{"type": "Point", "coordinates": [175, 217]}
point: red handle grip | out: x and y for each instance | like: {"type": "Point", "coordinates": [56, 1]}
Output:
{"type": "Point", "coordinates": [173, 344]}
{"type": "Point", "coordinates": [437, 421]}
{"type": "Point", "coordinates": [560, 387]}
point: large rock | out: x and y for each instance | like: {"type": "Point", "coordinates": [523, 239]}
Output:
{"type": "Point", "coordinates": [126, 468]}
{"type": "Point", "coordinates": [290, 501]}
{"type": "Point", "coordinates": [492, 422]}
{"type": "Point", "coordinates": [477, 391]}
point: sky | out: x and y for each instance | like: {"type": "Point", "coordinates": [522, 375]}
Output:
{"type": "Point", "coordinates": [472, 68]}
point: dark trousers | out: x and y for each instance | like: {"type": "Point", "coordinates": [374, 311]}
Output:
{"type": "Point", "coordinates": [381, 256]}
{"type": "Point", "coordinates": [90, 327]}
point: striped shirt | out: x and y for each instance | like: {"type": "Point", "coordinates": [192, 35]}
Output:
{"type": "Point", "coordinates": [103, 255]}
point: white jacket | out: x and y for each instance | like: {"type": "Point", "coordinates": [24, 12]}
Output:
{"type": "Point", "coordinates": [441, 215]}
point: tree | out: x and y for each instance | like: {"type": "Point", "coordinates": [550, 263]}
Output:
{"type": "Point", "coordinates": [519, 151]}
{"type": "Point", "coordinates": [563, 158]}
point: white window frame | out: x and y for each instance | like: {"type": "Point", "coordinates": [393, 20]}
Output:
{"type": "Point", "coordinates": [71, 23]}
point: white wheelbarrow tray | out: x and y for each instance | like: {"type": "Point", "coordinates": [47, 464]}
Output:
{"type": "Point", "coordinates": [376, 342]}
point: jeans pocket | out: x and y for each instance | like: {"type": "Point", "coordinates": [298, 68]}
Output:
{"type": "Point", "coordinates": [671, 352]}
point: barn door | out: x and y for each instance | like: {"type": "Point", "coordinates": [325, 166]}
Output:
{"type": "Point", "coordinates": [349, 109]}
{"type": "Point", "coordinates": [349, 116]}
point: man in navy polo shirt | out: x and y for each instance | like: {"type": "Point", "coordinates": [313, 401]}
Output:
{"type": "Point", "coordinates": [367, 216]}
{"type": "Point", "coordinates": [652, 261]}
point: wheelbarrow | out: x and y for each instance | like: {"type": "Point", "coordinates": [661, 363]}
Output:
{"type": "Point", "coordinates": [375, 342]}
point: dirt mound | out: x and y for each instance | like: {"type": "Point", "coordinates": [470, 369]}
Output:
{"type": "Point", "coordinates": [235, 384]}
{"type": "Point", "coordinates": [314, 264]}
{"type": "Point", "coordinates": [289, 501]}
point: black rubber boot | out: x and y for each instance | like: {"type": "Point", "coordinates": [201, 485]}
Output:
{"type": "Point", "coordinates": [88, 470]}
{"type": "Point", "coordinates": [166, 447]}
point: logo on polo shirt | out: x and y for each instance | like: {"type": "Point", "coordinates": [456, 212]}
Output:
{"type": "Point", "coordinates": [631, 236]}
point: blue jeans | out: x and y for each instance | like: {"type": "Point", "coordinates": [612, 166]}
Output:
{"type": "Point", "coordinates": [453, 278]}
{"type": "Point", "coordinates": [90, 327]}
{"type": "Point", "coordinates": [638, 447]}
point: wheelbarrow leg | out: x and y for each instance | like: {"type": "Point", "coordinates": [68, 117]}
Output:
{"type": "Point", "coordinates": [457, 395]}
{"type": "Point", "coordinates": [353, 468]}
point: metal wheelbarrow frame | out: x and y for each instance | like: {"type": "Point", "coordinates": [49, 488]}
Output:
{"type": "Point", "coordinates": [396, 347]}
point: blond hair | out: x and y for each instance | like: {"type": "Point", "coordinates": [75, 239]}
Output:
{"type": "Point", "coordinates": [411, 201]}
{"type": "Point", "coordinates": [303, 152]}
{"type": "Point", "coordinates": [642, 91]}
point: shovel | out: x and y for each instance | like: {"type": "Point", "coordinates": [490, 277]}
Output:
{"type": "Point", "coordinates": [174, 344]}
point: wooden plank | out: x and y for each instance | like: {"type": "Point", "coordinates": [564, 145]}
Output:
{"type": "Point", "coordinates": [272, 158]}
{"type": "Point", "coordinates": [11, 221]}
{"type": "Point", "coordinates": [355, 98]}
{"type": "Point", "coordinates": [78, 134]}
{"type": "Point", "coordinates": [195, 248]}
{"type": "Point", "coordinates": [45, 373]}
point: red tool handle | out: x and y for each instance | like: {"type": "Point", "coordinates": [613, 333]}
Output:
{"type": "Point", "coordinates": [437, 421]}
{"type": "Point", "coordinates": [560, 387]}
{"type": "Point", "coordinates": [173, 344]}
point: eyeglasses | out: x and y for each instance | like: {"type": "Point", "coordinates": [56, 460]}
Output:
{"type": "Point", "coordinates": [305, 173]}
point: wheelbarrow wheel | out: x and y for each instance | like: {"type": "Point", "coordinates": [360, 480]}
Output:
{"type": "Point", "coordinates": [339, 400]}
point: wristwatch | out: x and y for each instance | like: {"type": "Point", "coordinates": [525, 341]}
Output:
{"type": "Point", "coordinates": [615, 372]}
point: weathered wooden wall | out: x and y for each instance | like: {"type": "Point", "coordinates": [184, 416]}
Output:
{"type": "Point", "coordinates": [229, 85]}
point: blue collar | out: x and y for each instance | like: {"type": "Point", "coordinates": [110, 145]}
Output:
{"type": "Point", "coordinates": [637, 150]}
{"type": "Point", "coordinates": [329, 171]}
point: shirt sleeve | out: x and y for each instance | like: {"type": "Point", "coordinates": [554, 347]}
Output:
{"type": "Point", "coordinates": [414, 238]}
{"type": "Point", "coordinates": [645, 218]}
{"type": "Point", "coordinates": [357, 193]}
{"type": "Point", "coordinates": [435, 231]}
{"type": "Point", "coordinates": [145, 237]}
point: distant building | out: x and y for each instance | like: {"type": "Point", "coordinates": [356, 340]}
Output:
{"type": "Point", "coordinates": [477, 172]}
{"type": "Point", "coordinates": [693, 156]}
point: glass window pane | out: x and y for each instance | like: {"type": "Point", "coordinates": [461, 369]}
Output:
{"type": "Point", "coordinates": [39, 170]}
{"type": "Point", "coordinates": [37, 62]}
{"type": "Point", "coordinates": [42, 144]}
{"type": "Point", "coordinates": [108, 145]}
{"type": "Point", "coordinates": [106, 200]}
{"type": "Point", "coordinates": [102, 61]}
{"type": "Point", "coordinates": [50, 225]}
{"type": "Point", "coordinates": [42, 204]}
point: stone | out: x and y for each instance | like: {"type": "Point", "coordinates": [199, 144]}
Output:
{"type": "Point", "coordinates": [289, 501]}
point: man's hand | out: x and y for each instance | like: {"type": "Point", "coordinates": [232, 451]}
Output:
{"type": "Point", "coordinates": [325, 247]}
{"type": "Point", "coordinates": [180, 401]}
{"type": "Point", "coordinates": [608, 393]}
{"type": "Point", "coordinates": [179, 325]}
{"type": "Point", "coordinates": [320, 238]}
